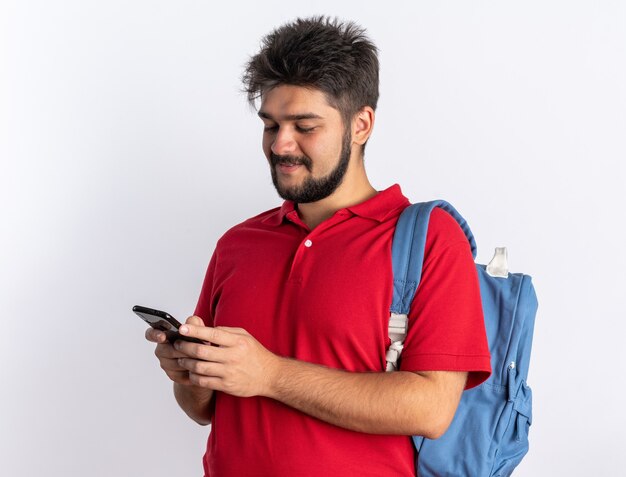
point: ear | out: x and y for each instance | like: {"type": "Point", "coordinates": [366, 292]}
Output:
{"type": "Point", "coordinates": [362, 125]}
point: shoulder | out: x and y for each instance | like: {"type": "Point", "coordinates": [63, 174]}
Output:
{"type": "Point", "coordinates": [265, 220]}
{"type": "Point", "coordinates": [443, 231]}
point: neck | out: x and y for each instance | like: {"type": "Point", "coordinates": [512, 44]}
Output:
{"type": "Point", "coordinates": [354, 189]}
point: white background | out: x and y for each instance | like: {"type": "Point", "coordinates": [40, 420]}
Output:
{"type": "Point", "coordinates": [127, 149]}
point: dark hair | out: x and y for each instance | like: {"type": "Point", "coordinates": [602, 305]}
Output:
{"type": "Point", "coordinates": [334, 57]}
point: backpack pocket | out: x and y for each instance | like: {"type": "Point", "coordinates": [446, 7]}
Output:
{"type": "Point", "coordinates": [514, 442]}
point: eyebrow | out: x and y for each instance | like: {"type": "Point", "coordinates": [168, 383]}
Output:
{"type": "Point", "coordinates": [291, 117]}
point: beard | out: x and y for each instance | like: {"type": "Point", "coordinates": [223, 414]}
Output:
{"type": "Point", "coordinates": [313, 189]}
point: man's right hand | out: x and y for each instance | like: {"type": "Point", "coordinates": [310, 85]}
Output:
{"type": "Point", "coordinates": [168, 356]}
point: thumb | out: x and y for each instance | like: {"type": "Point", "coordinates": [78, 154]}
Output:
{"type": "Point", "coordinates": [195, 320]}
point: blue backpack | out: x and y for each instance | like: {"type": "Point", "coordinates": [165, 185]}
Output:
{"type": "Point", "coordinates": [489, 433]}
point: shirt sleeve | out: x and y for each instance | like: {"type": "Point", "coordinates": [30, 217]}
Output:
{"type": "Point", "coordinates": [446, 326]}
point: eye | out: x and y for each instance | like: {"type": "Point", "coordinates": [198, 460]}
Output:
{"type": "Point", "coordinates": [270, 128]}
{"type": "Point", "coordinates": [304, 130]}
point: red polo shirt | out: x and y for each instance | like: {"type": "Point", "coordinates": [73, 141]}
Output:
{"type": "Point", "coordinates": [323, 296]}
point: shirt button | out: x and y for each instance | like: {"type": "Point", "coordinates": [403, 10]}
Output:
{"type": "Point", "coordinates": [308, 243]}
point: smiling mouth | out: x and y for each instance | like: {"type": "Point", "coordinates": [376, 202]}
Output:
{"type": "Point", "coordinates": [289, 162]}
{"type": "Point", "coordinates": [288, 167]}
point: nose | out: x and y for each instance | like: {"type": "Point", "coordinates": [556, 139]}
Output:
{"type": "Point", "coordinates": [283, 143]}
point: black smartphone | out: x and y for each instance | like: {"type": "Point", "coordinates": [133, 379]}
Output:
{"type": "Point", "coordinates": [160, 320]}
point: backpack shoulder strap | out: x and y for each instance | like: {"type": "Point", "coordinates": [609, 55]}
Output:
{"type": "Point", "coordinates": [409, 242]}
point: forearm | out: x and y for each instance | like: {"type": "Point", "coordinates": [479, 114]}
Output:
{"type": "Point", "coordinates": [403, 403]}
{"type": "Point", "coordinates": [377, 403]}
{"type": "Point", "coordinates": [195, 401]}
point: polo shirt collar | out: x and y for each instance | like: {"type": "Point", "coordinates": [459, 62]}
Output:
{"type": "Point", "coordinates": [376, 208]}
{"type": "Point", "coordinates": [381, 205]}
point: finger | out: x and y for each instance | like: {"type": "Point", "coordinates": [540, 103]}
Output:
{"type": "Point", "coordinates": [237, 331]}
{"type": "Point", "coordinates": [167, 351]}
{"type": "Point", "coordinates": [209, 382]}
{"type": "Point", "coordinates": [199, 351]}
{"type": "Point", "coordinates": [172, 365]}
{"type": "Point", "coordinates": [216, 336]}
{"type": "Point", "coordinates": [155, 336]}
{"type": "Point", "coordinates": [195, 320]}
{"type": "Point", "coordinates": [200, 367]}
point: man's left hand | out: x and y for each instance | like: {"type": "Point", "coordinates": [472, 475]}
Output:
{"type": "Point", "coordinates": [238, 364]}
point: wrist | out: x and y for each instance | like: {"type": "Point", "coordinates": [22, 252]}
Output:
{"type": "Point", "coordinates": [191, 389]}
{"type": "Point", "coordinates": [194, 401]}
{"type": "Point", "coordinates": [275, 372]}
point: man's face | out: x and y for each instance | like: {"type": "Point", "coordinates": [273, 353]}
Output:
{"type": "Point", "coordinates": [305, 143]}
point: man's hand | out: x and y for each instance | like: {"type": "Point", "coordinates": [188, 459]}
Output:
{"type": "Point", "coordinates": [168, 356]}
{"type": "Point", "coordinates": [238, 365]}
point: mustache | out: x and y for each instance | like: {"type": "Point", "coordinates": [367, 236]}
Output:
{"type": "Point", "coordinates": [276, 159]}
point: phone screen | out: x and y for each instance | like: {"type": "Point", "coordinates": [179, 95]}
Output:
{"type": "Point", "coordinates": [163, 321]}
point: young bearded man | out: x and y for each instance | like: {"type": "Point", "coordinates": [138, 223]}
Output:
{"type": "Point", "coordinates": [295, 304]}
